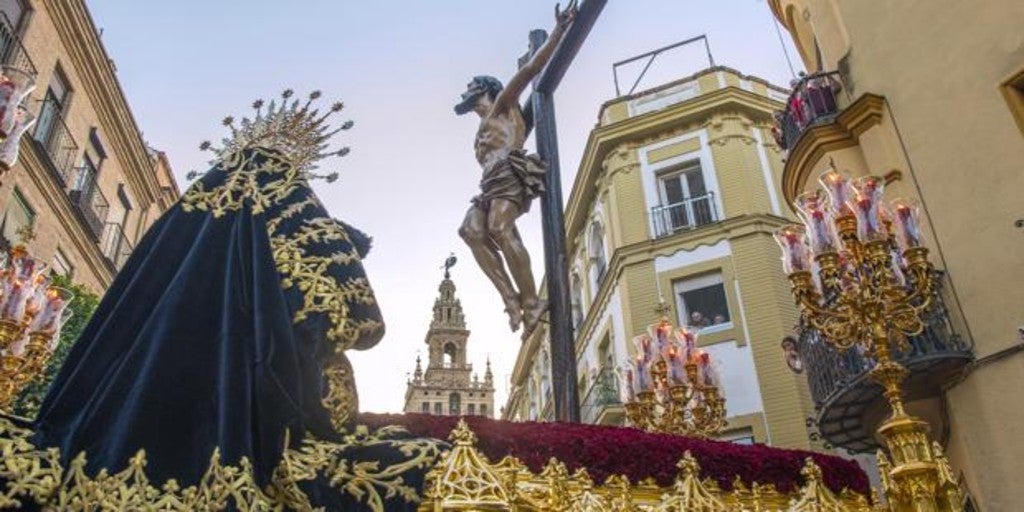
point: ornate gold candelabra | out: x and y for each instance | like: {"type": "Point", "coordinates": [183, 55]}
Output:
{"type": "Point", "coordinates": [862, 278]}
{"type": "Point", "coordinates": [31, 313]}
{"type": "Point", "coordinates": [672, 387]}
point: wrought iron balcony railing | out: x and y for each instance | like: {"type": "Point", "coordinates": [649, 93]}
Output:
{"type": "Point", "coordinates": [91, 205]}
{"type": "Point", "coordinates": [687, 214]}
{"type": "Point", "coordinates": [55, 137]}
{"type": "Point", "coordinates": [115, 245]}
{"type": "Point", "coordinates": [846, 399]}
{"type": "Point", "coordinates": [602, 393]}
{"type": "Point", "coordinates": [12, 52]}
{"type": "Point", "coordinates": [812, 102]}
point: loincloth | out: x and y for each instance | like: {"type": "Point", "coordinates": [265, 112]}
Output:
{"type": "Point", "coordinates": [518, 178]}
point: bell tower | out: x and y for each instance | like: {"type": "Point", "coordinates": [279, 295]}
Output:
{"type": "Point", "coordinates": [448, 386]}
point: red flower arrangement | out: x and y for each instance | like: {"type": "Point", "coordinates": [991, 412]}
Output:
{"type": "Point", "coordinates": [606, 451]}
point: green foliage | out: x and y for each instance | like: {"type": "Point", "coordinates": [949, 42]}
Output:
{"type": "Point", "coordinates": [82, 306]}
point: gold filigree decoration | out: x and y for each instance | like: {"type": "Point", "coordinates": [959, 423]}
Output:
{"type": "Point", "coordinates": [465, 480]}
{"type": "Point", "coordinates": [465, 477]}
{"type": "Point", "coordinates": [33, 475]}
{"type": "Point", "coordinates": [341, 399]}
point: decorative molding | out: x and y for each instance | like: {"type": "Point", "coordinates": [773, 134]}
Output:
{"type": "Point", "coordinates": [817, 141]}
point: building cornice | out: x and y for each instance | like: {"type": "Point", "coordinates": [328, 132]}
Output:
{"type": "Point", "coordinates": [817, 141]}
{"type": "Point", "coordinates": [641, 252]}
{"type": "Point", "coordinates": [96, 72]}
{"type": "Point", "coordinates": [631, 133]}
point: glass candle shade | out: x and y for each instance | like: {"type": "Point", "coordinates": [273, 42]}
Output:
{"type": "Point", "coordinates": [813, 210]}
{"type": "Point", "coordinates": [16, 296]}
{"type": "Point", "coordinates": [49, 318]}
{"type": "Point", "coordinates": [865, 203]}
{"type": "Point", "coordinates": [37, 300]}
{"type": "Point", "coordinates": [644, 349]}
{"type": "Point", "coordinates": [642, 375]}
{"type": "Point", "coordinates": [796, 256]}
{"type": "Point", "coordinates": [15, 85]}
{"type": "Point", "coordinates": [906, 223]}
{"type": "Point", "coordinates": [10, 146]}
{"type": "Point", "coordinates": [627, 383]}
{"type": "Point", "coordinates": [837, 186]}
{"type": "Point", "coordinates": [662, 332]}
{"type": "Point", "coordinates": [676, 367]}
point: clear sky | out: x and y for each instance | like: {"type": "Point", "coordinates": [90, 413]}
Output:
{"type": "Point", "coordinates": [400, 66]}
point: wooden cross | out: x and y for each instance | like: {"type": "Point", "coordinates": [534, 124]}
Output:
{"type": "Point", "coordinates": [539, 112]}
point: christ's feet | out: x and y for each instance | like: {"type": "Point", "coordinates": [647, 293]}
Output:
{"type": "Point", "coordinates": [531, 316]}
{"type": "Point", "coordinates": [515, 314]}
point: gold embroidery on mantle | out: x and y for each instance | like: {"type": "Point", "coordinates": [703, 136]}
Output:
{"type": "Point", "coordinates": [299, 266]}
{"type": "Point", "coordinates": [33, 475]}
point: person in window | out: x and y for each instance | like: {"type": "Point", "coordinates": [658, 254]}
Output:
{"type": "Point", "coordinates": [697, 319]}
{"type": "Point", "coordinates": [719, 319]}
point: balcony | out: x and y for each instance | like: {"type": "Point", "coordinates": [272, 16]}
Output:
{"type": "Point", "coordinates": [685, 215]}
{"type": "Point", "coordinates": [91, 206]}
{"type": "Point", "coordinates": [12, 52]}
{"type": "Point", "coordinates": [812, 102]}
{"type": "Point", "coordinates": [115, 245]}
{"type": "Point", "coordinates": [848, 404]}
{"type": "Point", "coordinates": [53, 135]}
{"type": "Point", "coordinates": [601, 404]}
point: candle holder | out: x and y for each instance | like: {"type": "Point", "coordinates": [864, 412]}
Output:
{"type": "Point", "coordinates": [676, 387]}
{"type": "Point", "coordinates": [863, 295]}
{"type": "Point", "coordinates": [31, 314]}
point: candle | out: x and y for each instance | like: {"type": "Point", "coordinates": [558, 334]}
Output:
{"type": "Point", "coordinates": [811, 207]}
{"type": "Point", "coordinates": [795, 253]}
{"type": "Point", "coordinates": [837, 186]}
{"type": "Point", "coordinates": [643, 377]}
{"type": "Point", "coordinates": [865, 203]}
{"type": "Point", "coordinates": [627, 378]}
{"type": "Point", "coordinates": [908, 230]}
{"type": "Point", "coordinates": [49, 319]}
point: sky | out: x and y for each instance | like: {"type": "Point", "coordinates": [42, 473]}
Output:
{"type": "Point", "coordinates": [400, 66]}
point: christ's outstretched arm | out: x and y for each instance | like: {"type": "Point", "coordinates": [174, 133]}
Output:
{"type": "Point", "coordinates": [510, 95]}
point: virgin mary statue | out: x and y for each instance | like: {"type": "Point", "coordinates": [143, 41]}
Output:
{"type": "Point", "coordinates": [213, 374]}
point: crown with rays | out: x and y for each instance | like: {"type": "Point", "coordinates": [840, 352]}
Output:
{"type": "Point", "coordinates": [295, 128]}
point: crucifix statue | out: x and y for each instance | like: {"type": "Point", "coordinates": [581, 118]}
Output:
{"type": "Point", "coordinates": [512, 179]}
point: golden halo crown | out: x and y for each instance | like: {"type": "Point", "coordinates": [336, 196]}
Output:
{"type": "Point", "coordinates": [295, 128]}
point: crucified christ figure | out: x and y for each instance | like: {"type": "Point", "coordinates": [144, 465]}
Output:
{"type": "Point", "coordinates": [511, 180]}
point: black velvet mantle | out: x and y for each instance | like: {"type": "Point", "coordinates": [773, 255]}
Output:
{"type": "Point", "coordinates": [196, 346]}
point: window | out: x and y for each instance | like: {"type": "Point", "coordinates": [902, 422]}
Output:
{"type": "Point", "coordinates": [577, 301]}
{"type": "Point", "coordinates": [454, 404]}
{"type": "Point", "coordinates": [54, 104]}
{"type": "Point", "coordinates": [425, 407]}
{"type": "Point", "coordinates": [740, 436]}
{"type": "Point", "coordinates": [1013, 91]}
{"type": "Point", "coordinates": [62, 265]}
{"type": "Point", "coordinates": [18, 218]}
{"type": "Point", "coordinates": [599, 264]}
{"type": "Point", "coordinates": [471, 409]}
{"type": "Point", "coordinates": [685, 201]}
{"type": "Point", "coordinates": [605, 354]}
{"type": "Point", "coordinates": [449, 354]}
{"type": "Point", "coordinates": [483, 409]}
{"type": "Point", "coordinates": [702, 302]}
{"type": "Point", "coordinates": [15, 11]}
{"type": "Point", "coordinates": [438, 408]}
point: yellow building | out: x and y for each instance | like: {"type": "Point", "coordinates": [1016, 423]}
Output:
{"type": "Point", "coordinates": [931, 95]}
{"type": "Point", "coordinates": [676, 198]}
{"type": "Point", "coordinates": [449, 386]}
{"type": "Point", "coordinates": [85, 180]}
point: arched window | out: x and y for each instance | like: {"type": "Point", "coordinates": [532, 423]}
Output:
{"type": "Point", "coordinates": [577, 301]}
{"type": "Point", "coordinates": [454, 404]}
{"type": "Point", "coordinates": [598, 262]}
{"type": "Point", "coordinates": [450, 350]}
